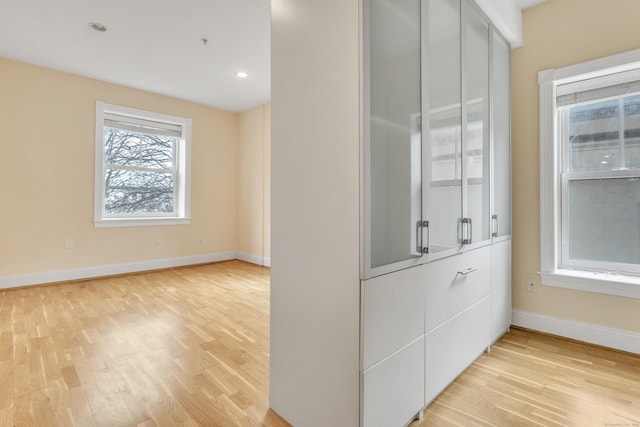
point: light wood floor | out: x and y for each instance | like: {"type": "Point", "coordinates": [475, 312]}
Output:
{"type": "Point", "coordinates": [532, 379]}
{"type": "Point", "coordinates": [189, 347]}
{"type": "Point", "coordinates": [182, 347]}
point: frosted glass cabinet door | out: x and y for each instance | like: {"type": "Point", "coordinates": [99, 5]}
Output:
{"type": "Point", "coordinates": [476, 142]}
{"type": "Point", "coordinates": [393, 177]}
{"type": "Point", "coordinates": [501, 218]}
{"type": "Point", "coordinates": [443, 153]}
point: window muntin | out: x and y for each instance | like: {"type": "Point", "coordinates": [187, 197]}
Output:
{"type": "Point", "coordinates": [142, 161]}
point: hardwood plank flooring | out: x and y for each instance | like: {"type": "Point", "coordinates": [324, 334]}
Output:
{"type": "Point", "coordinates": [533, 379]}
{"type": "Point", "coordinates": [190, 347]}
{"type": "Point", "coordinates": [179, 347]}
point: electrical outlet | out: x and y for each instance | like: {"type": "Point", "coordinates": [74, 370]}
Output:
{"type": "Point", "coordinates": [200, 242]}
{"type": "Point", "coordinates": [156, 244]}
{"type": "Point", "coordinates": [532, 284]}
{"type": "Point", "coordinates": [68, 243]}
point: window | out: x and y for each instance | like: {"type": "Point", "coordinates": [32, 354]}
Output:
{"type": "Point", "coordinates": [590, 175]}
{"type": "Point", "coordinates": [142, 167]}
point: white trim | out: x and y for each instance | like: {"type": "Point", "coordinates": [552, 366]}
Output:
{"type": "Point", "coordinates": [600, 283]}
{"type": "Point", "coordinates": [139, 222]}
{"type": "Point", "coordinates": [182, 173]}
{"type": "Point", "coordinates": [620, 62]}
{"type": "Point", "coordinates": [254, 259]}
{"type": "Point", "coordinates": [506, 16]}
{"type": "Point", "coordinates": [548, 194]}
{"type": "Point", "coordinates": [550, 220]}
{"type": "Point", "coordinates": [619, 339]}
{"type": "Point", "coordinates": [19, 280]}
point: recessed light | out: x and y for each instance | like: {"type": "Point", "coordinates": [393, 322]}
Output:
{"type": "Point", "coordinates": [242, 74]}
{"type": "Point", "coordinates": [98, 27]}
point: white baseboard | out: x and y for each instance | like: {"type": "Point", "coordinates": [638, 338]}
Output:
{"type": "Point", "coordinates": [588, 332]}
{"type": "Point", "coordinates": [254, 259]}
{"type": "Point", "coordinates": [19, 280]}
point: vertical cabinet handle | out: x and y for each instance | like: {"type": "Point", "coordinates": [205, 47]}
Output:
{"type": "Point", "coordinates": [420, 226]}
{"type": "Point", "coordinates": [467, 225]}
{"type": "Point", "coordinates": [494, 225]}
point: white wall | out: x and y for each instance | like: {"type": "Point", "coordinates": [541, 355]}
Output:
{"type": "Point", "coordinates": [314, 378]}
{"type": "Point", "coordinates": [47, 143]}
{"type": "Point", "coordinates": [254, 183]}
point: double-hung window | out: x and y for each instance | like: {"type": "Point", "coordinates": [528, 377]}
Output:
{"type": "Point", "coordinates": [590, 175]}
{"type": "Point", "coordinates": [142, 167]}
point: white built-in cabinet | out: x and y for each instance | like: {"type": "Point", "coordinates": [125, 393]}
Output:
{"type": "Point", "coordinates": [391, 210]}
{"type": "Point", "coordinates": [437, 224]}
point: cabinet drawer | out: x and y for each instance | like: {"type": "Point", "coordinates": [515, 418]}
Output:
{"type": "Point", "coordinates": [448, 293]}
{"type": "Point", "coordinates": [393, 391]}
{"type": "Point", "coordinates": [501, 264]}
{"type": "Point", "coordinates": [500, 312]}
{"type": "Point", "coordinates": [392, 314]}
{"type": "Point", "coordinates": [453, 346]}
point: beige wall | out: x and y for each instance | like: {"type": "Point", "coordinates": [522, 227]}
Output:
{"type": "Point", "coordinates": [559, 33]}
{"type": "Point", "coordinates": [254, 184]}
{"type": "Point", "coordinates": [47, 121]}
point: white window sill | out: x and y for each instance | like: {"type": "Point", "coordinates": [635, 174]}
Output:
{"type": "Point", "coordinates": [601, 283]}
{"type": "Point", "coordinates": [139, 222]}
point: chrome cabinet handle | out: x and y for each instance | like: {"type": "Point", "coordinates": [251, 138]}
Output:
{"type": "Point", "coordinates": [469, 230]}
{"type": "Point", "coordinates": [465, 272]}
{"type": "Point", "coordinates": [494, 220]}
{"type": "Point", "coordinates": [420, 226]}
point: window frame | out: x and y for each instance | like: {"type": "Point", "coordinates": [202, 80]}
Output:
{"type": "Point", "coordinates": [181, 170]}
{"type": "Point", "coordinates": [567, 176]}
{"type": "Point", "coordinates": [552, 271]}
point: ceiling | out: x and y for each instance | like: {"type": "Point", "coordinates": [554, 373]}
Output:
{"type": "Point", "coordinates": [154, 45]}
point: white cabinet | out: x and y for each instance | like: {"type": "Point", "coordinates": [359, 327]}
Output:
{"type": "Point", "coordinates": [455, 283]}
{"type": "Point", "coordinates": [500, 289]}
{"type": "Point", "coordinates": [392, 105]}
{"type": "Point", "coordinates": [436, 197]}
{"type": "Point", "coordinates": [393, 390]}
{"type": "Point", "coordinates": [455, 306]}
{"type": "Point", "coordinates": [457, 127]}
{"type": "Point", "coordinates": [454, 345]}
{"type": "Point", "coordinates": [436, 132]}
{"type": "Point", "coordinates": [390, 203]}
{"type": "Point", "coordinates": [392, 314]}
{"type": "Point", "coordinates": [501, 138]}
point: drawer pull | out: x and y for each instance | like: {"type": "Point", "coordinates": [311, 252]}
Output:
{"type": "Point", "coordinates": [467, 271]}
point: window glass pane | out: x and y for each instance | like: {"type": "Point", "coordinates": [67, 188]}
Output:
{"type": "Point", "coordinates": [603, 220]}
{"type": "Point", "coordinates": [125, 148]}
{"type": "Point", "coordinates": [593, 136]}
{"type": "Point", "coordinates": [632, 132]}
{"type": "Point", "coordinates": [131, 191]}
